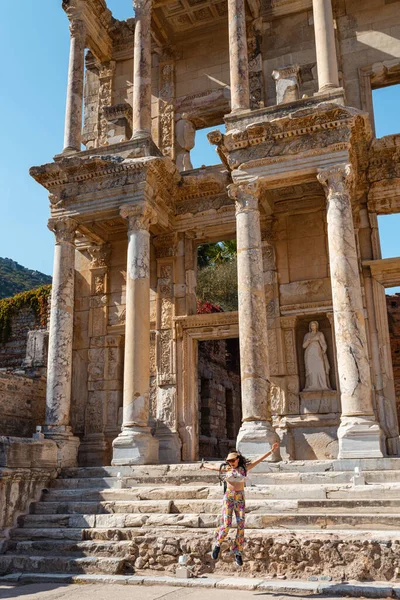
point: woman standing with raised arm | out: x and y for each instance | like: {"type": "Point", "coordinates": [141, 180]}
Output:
{"type": "Point", "coordinates": [234, 501]}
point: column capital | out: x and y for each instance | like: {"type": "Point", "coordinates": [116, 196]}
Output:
{"type": "Point", "coordinates": [139, 216]}
{"type": "Point", "coordinates": [142, 6]}
{"type": "Point", "coordinates": [77, 29]}
{"type": "Point", "coordinates": [63, 229]}
{"type": "Point", "coordinates": [336, 180]}
{"type": "Point", "coordinates": [100, 255]}
{"type": "Point", "coordinates": [245, 195]}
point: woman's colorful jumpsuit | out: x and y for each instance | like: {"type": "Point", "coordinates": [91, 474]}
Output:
{"type": "Point", "coordinates": [232, 501]}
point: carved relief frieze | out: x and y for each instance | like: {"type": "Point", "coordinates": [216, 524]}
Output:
{"type": "Point", "coordinates": [166, 104]}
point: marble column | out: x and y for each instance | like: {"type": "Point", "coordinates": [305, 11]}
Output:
{"type": "Point", "coordinates": [256, 434]}
{"type": "Point", "coordinates": [328, 76]}
{"type": "Point", "coordinates": [76, 72]}
{"type": "Point", "coordinates": [359, 433]}
{"type": "Point", "coordinates": [239, 64]}
{"type": "Point", "coordinates": [59, 366]}
{"type": "Point", "coordinates": [141, 105]}
{"type": "Point", "coordinates": [135, 444]}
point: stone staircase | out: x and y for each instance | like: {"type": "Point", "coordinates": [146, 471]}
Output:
{"type": "Point", "coordinates": [303, 519]}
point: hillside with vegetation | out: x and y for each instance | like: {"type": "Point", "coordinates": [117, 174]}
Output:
{"type": "Point", "coordinates": [15, 278]}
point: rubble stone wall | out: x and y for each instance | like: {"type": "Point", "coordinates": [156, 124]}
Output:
{"type": "Point", "coordinates": [219, 397]}
{"type": "Point", "coordinates": [12, 353]}
{"type": "Point", "coordinates": [22, 403]}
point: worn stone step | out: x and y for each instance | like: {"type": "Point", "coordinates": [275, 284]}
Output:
{"type": "Point", "coordinates": [284, 492]}
{"type": "Point", "coordinates": [104, 507]}
{"type": "Point", "coordinates": [256, 520]}
{"type": "Point", "coordinates": [72, 547]}
{"type": "Point", "coordinates": [367, 464]}
{"type": "Point", "coordinates": [10, 563]}
{"type": "Point", "coordinates": [257, 478]}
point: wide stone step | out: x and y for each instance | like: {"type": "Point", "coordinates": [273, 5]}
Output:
{"type": "Point", "coordinates": [368, 464]}
{"type": "Point", "coordinates": [208, 505]}
{"type": "Point", "coordinates": [204, 520]}
{"type": "Point", "coordinates": [104, 507]}
{"type": "Point", "coordinates": [199, 479]}
{"type": "Point", "coordinates": [78, 548]}
{"type": "Point", "coordinates": [11, 563]}
{"type": "Point", "coordinates": [281, 492]}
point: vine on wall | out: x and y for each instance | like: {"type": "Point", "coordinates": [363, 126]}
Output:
{"type": "Point", "coordinates": [36, 299]}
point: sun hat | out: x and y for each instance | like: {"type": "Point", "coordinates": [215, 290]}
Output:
{"type": "Point", "coordinates": [232, 455]}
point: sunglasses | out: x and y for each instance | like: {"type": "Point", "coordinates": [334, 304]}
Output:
{"type": "Point", "coordinates": [233, 460]}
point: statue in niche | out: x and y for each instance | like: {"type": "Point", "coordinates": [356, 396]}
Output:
{"type": "Point", "coordinates": [185, 133]}
{"type": "Point", "coordinates": [316, 360]}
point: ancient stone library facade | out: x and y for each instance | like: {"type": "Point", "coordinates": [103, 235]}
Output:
{"type": "Point", "coordinates": [301, 182]}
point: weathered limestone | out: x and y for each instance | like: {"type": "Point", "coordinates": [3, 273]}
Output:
{"type": "Point", "coordinates": [359, 433]}
{"type": "Point", "coordinates": [238, 60]}
{"type": "Point", "coordinates": [76, 71]}
{"type": "Point", "coordinates": [185, 133]}
{"type": "Point", "coordinates": [135, 444]}
{"type": "Point", "coordinates": [59, 366]}
{"type": "Point", "coordinates": [141, 118]}
{"type": "Point", "coordinates": [328, 76]}
{"type": "Point", "coordinates": [287, 84]}
{"type": "Point", "coordinates": [256, 433]}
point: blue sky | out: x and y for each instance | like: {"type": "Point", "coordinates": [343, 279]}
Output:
{"type": "Point", "coordinates": [34, 44]}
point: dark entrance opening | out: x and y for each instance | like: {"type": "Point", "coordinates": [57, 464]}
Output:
{"type": "Point", "coordinates": [220, 405]}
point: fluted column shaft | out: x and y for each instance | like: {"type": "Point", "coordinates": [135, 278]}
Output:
{"type": "Point", "coordinates": [142, 70]}
{"type": "Point", "coordinates": [238, 59]}
{"type": "Point", "coordinates": [256, 431]}
{"type": "Point", "coordinates": [76, 72]}
{"type": "Point", "coordinates": [359, 433]}
{"type": "Point", "coordinates": [328, 76]}
{"type": "Point", "coordinates": [135, 444]}
{"type": "Point", "coordinates": [59, 366]}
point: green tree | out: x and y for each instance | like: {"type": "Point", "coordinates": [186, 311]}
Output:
{"type": "Point", "coordinates": [215, 254]}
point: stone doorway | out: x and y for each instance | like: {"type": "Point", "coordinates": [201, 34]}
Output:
{"type": "Point", "coordinates": [219, 396]}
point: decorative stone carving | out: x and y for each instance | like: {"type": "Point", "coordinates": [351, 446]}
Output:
{"type": "Point", "coordinates": [106, 77]}
{"type": "Point", "coordinates": [315, 359]}
{"type": "Point", "coordinates": [166, 106]}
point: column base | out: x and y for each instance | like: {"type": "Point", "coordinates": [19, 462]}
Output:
{"type": "Point", "coordinates": [93, 450]}
{"type": "Point", "coordinates": [135, 446]}
{"type": "Point", "coordinates": [359, 437]}
{"type": "Point", "coordinates": [70, 150]}
{"type": "Point", "coordinates": [257, 437]}
{"type": "Point", "coordinates": [169, 445]}
{"type": "Point", "coordinates": [141, 134]}
{"type": "Point", "coordinates": [67, 447]}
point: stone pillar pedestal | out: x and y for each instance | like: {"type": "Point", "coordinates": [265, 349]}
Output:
{"type": "Point", "coordinates": [239, 64]}
{"type": "Point", "coordinates": [256, 434]}
{"type": "Point", "coordinates": [327, 67]}
{"type": "Point", "coordinates": [135, 444]}
{"type": "Point", "coordinates": [141, 105]}
{"type": "Point", "coordinates": [76, 72]}
{"type": "Point", "coordinates": [287, 84]}
{"type": "Point", "coordinates": [359, 433]}
{"type": "Point", "coordinates": [59, 366]}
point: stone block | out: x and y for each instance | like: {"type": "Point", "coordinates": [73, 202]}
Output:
{"type": "Point", "coordinates": [26, 452]}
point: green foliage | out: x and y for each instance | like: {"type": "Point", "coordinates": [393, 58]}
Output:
{"type": "Point", "coordinates": [217, 284]}
{"type": "Point", "coordinates": [215, 254]}
{"type": "Point", "coordinates": [14, 278]}
{"type": "Point", "coordinates": [36, 299]}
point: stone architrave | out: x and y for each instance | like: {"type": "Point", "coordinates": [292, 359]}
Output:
{"type": "Point", "coordinates": [239, 64]}
{"type": "Point", "coordinates": [59, 366]}
{"type": "Point", "coordinates": [141, 105]}
{"type": "Point", "coordinates": [135, 444]}
{"type": "Point", "coordinates": [76, 72]}
{"type": "Point", "coordinates": [287, 84]}
{"type": "Point", "coordinates": [327, 66]}
{"type": "Point", "coordinates": [256, 434]}
{"type": "Point", "coordinates": [359, 433]}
